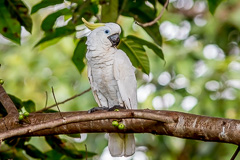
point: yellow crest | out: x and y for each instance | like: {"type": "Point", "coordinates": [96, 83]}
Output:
{"type": "Point", "coordinates": [92, 26]}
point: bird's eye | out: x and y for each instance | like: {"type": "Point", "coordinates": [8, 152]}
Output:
{"type": "Point", "coordinates": [107, 31]}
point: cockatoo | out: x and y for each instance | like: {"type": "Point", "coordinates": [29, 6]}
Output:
{"type": "Point", "coordinates": [112, 79]}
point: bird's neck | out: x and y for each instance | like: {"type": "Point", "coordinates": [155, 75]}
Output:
{"type": "Point", "coordinates": [101, 53]}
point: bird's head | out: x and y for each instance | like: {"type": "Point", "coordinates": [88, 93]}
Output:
{"type": "Point", "coordinates": [103, 34]}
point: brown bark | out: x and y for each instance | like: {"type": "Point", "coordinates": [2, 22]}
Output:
{"type": "Point", "coordinates": [169, 123]}
{"type": "Point", "coordinates": [7, 102]}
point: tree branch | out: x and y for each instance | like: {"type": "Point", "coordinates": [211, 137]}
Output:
{"type": "Point", "coordinates": [7, 102]}
{"type": "Point", "coordinates": [169, 123]}
{"type": "Point", "coordinates": [156, 19]}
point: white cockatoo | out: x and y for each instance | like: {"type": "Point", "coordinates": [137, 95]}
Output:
{"type": "Point", "coordinates": [112, 79]}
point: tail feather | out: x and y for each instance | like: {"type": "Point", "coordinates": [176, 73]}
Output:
{"type": "Point", "coordinates": [120, 144]}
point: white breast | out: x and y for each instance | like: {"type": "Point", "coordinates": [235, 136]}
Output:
{"type": "Point", "coordinates": [104, 84]}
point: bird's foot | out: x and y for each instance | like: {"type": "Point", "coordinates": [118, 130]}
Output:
{"type": "Point", "coordinates": [116, 107]}
{"type": "Point", "coordinates": [98, 109]}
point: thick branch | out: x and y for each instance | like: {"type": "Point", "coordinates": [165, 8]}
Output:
{"type": "Point", "coordinates": [7, 102]}
{"type": "Point", "coordinates": [170, 123]}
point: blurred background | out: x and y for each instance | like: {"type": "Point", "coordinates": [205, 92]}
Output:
{"type": "Point", "coordinates": [200, 75]}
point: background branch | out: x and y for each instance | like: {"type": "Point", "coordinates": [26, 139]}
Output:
{"type": "Point", "coordinates": [169, 123]}
{"type": "Point", "coordinates": [71, 98]}
{"type": "Point", "coordinates": [156, 19]}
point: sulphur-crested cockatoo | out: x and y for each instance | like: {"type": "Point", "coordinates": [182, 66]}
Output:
{"type": "Point", "coordinates": [112, 79]}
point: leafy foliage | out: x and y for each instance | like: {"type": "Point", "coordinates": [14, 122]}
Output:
{"type": "Point", "coordinates": [57, 33]}
{"type": "Point", "coordinates": [157, 50]}
{"type": "Point", "coordinates": [79, 55]}
{"type": "Point", "coordinates": [18, 9]}
{"type": "Point", "coordinates": [49, 21]}
{"type": "Point", "coordinates": [13, 15]}
{"type": "Point", "coordinates": [110, 11]}
{"type": "Point", "coordinates": [44, 4]}
{"type": "Point", "coordinates": [9, 26]}
{"type": "Point", "coordinates": [29, 105]}
{"type": "Point", "coordinates": [66, 148]}
{"type": "Point", "coordinates": [213, 4]}
{"type": "Point", "coordinates": [136, 53]}
{"type": "Point", "coordinates": [34, 152]}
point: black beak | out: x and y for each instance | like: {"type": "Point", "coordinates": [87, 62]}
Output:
{"type": "Point", "coordinates": [114, 39]}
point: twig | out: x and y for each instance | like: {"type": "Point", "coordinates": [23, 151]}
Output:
{"type": "Point", "coordinates": [46, 93]}
{"type": "Point", "coordinates": [57, 103]}
{"type": "Point", "coordinates": [235, 153]}
{"type": "Point", "coordinates": [156, 19]}
{"type": "Point", "coordinates": [98, 18]}
{"type": "Point", "coordinates": [75, 96]}
{"type": "Point", "coordinates": [86, 151]}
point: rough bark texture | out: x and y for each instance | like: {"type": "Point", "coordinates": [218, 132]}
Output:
{"type": "Point", "coordinates": [7, 102]}
{"type": "Point", "coordinates": [169, 123]}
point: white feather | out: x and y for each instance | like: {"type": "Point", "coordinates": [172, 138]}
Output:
{"type": "Point", "coordinates": [124, 73]}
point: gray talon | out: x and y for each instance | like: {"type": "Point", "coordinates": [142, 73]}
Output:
{"type": "Point", "coordinates": [116, 107]}
{"type": "Point", "coordinates": [97, 109]}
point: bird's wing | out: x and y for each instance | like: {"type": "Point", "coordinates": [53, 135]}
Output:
{"type": "Point", "coordinates": [93, 86]}
{"type": "Point", "coordinates": [124, 73]}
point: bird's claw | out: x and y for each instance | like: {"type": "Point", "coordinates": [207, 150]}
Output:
{"type": "Point", "coordinates": [105, 108]}
{"type": "Point", "coordinates": [116, 107]}
{"type": "Point", "coordinates": [98, 109]}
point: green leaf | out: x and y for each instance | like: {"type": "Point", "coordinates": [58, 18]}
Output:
{"type": "Point", "coordinates": [153, 31]}
{"type": "Point", "coordinates": [213, 4]}
{"type": "Point", "coordinates": [57, 33]}
{"type": "Point", "coordinates": [29, 105]}
{"type": "Point", "coordinates": [17, 142]}
{"type": "Point", "coordinates": [9, 26]}
{"type": "Point", "coordinates": [33, 151]}
{"type": "Point", "coordinates": [76, 1]}
{"type": "Point", "coordinates": [19, 10]}
{"type": "Point", "coordinates": [79, 54]}
{"type": "Point", "coordinates": [136, 53]}
{"type": "Point", "coordinates": [77, 135]}
{"type": "Point", "coordinates": [110, 11]}
{"type": "Point", "coordinates": [44, 4]}
{"type": "Point", "coordinates": [53, 155]}
{"type": "Point", "coordinates": [162, 2]}
{"type": "Point", "coordinates": [13, 153]}
{"type": "Point", "coordinates": [154, 3]}
{"type": "Point", "coordinates": [86, 10]}
{"type": "Point", "coordinates": [156, 49]}
{"type": "Point", "coordinates": [50, 111]}
{"type": "Point", "coordinates": [67, 148]}
{"type": "Point", "coordinates": [49, 43]}
{"type": "Point", "coordinates": [49, 21]}
{"type": "Point", "coordinates": [17, 102]}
